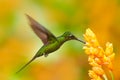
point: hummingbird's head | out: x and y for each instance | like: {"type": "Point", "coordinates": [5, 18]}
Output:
{"type": "Point", "coordinates": [69, 36]}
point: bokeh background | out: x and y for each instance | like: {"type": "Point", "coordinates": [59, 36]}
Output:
{"type": "Point", "coordinates": [18, 43]}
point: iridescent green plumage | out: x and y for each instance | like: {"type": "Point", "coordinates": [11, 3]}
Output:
{"type": "Point", "coordinates": [51, 43]}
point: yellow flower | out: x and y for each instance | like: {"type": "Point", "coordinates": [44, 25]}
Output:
{"type": "Point", "coordinates": [97, 57]}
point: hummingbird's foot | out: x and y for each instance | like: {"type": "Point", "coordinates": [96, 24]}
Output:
{"type": "Point", "coordinates": [45, 55]}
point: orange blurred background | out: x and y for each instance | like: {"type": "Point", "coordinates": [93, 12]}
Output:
{"type": "Point", "coordinates": [18, 43]}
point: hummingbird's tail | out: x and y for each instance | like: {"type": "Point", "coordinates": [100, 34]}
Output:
{"type": "Point", "coordinates": [26, 65]}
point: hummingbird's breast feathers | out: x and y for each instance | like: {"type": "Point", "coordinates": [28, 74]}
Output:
{"type": "Point", "coordinates": [46, 49]}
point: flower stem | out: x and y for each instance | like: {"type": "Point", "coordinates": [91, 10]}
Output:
{"type": "Point", "coordinates": [105, 77]}
{"type": "Point", "coordinates": [111, 74]}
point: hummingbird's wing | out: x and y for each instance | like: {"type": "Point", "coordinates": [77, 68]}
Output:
{"type": "Point", "coordinates": [44, 34]}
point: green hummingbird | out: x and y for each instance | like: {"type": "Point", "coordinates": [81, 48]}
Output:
{"type": "Point", "coordinates": [51, 42]}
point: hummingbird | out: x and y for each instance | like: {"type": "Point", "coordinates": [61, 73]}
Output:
{"type": "Point", "coordinates": [51, 43]}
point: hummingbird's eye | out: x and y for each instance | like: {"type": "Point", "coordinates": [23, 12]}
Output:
{"type": "Point", "coordinates": [70, 35]}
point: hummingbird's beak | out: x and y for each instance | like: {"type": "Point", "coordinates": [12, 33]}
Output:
{"type": "Point", "coordinates": [80, 40]}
